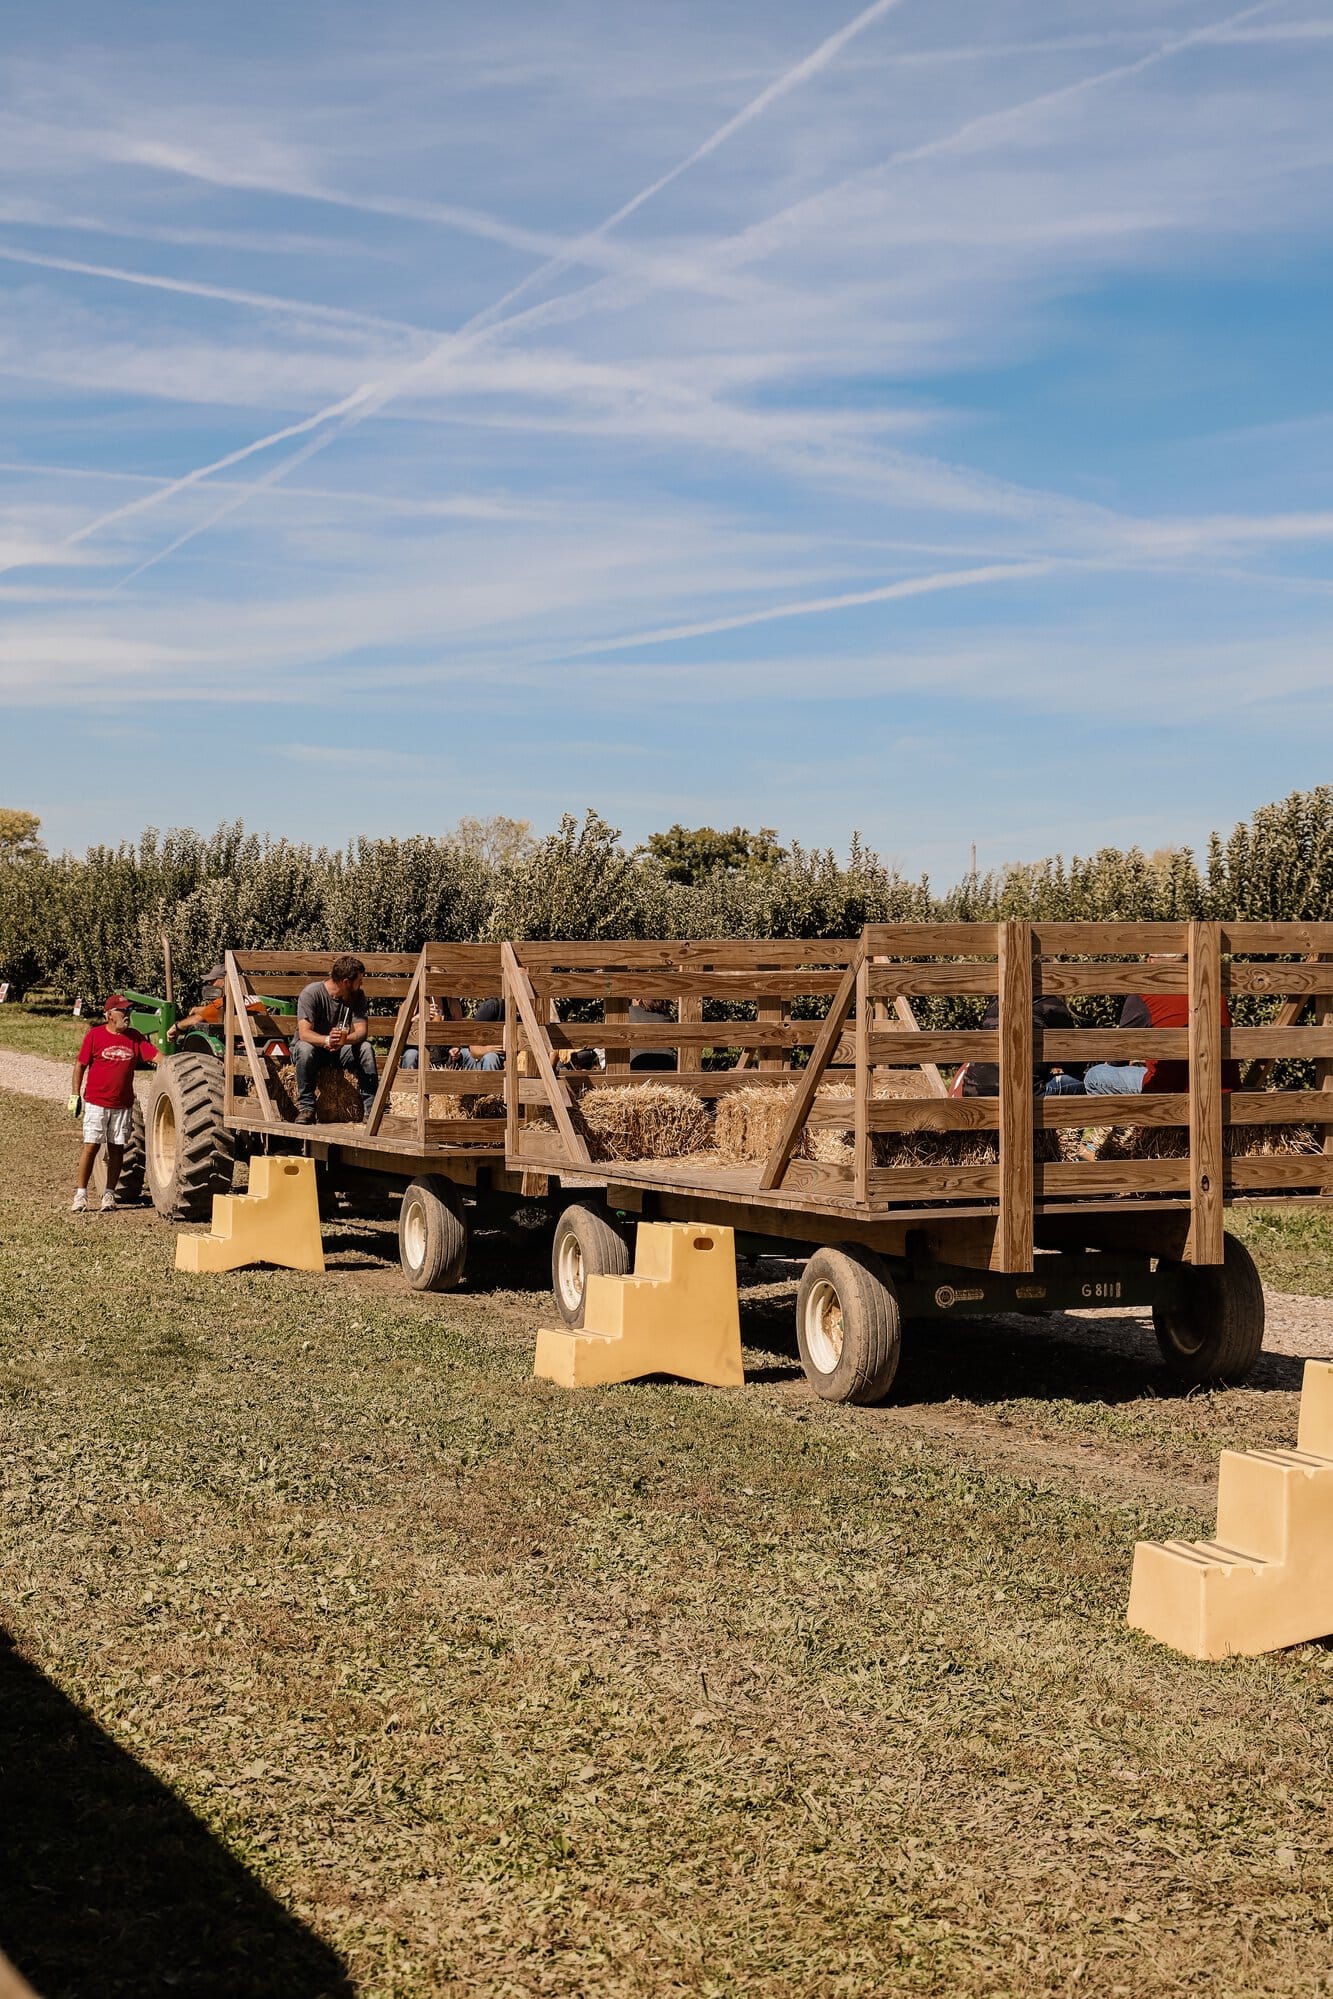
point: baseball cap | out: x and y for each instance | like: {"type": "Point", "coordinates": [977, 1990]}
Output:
{"type": "Point", "coordinates": [212, 976]}
{"type": "Point", "coordinates": [117, 1000]}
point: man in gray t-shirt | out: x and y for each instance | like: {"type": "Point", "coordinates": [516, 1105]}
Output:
{"type": "Point", "coordinates": [331, 1026]}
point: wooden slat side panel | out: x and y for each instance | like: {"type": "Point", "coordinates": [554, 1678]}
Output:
{"type": "Point", "coordinates": [674, 984]}
{"type": "Point", "coordinates": [1205, 1092]}
{"type": "Point", "coordinates": [1308, 939]}
{"type": "Point", "coordinates": [315, 964]}
{"type": "Point", "coordinates": [830, 1033]}
{"type": "Point", "coordinates": [929, 940]}
{"type": "Point", "coordinates": [1280, 979]}
{"type": "Point", "coordinates": [1110, 940]}
{"type": "Point", "coordinates": [687, 954]}
{"type": "Point", "coordinates": [1071, 981]}
{"type": "Point", "coordinates": [926, 1113]}
{"type": "Point", "coordinates": [953, 1045]}
{"type": "Point", "coordinates": [1313, 1169]}
{"type": "Point", "coordinates": [466, 1131]}
{"type": "Point", "coordinates": [923, 981]}
{"type": "Point", "coordinates": [1013, 1239]}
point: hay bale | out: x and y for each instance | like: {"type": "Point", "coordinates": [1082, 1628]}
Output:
{"type": "Point", "coordinates": [1242, 1141]}
{"type": "Point", "coordinates": [749, 1121]}
{"type": "Point", "coordinates": [645, 1121]}
{"type": "Point", "coordinates": [337, 1097]}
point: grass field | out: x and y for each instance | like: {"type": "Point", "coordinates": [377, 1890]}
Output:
{"type": "Point", "coordinates": [43, 1029]}
{"type": "Point", "coordinates": [344, 1657]}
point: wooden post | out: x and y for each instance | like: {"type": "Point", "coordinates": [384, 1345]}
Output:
{"type": "Point", "coordinates": [539, 1043]}
{"type": "Point", "coordinates": [861, 1101]}
{"type": "Point", "coordinates": [423, 1056]}
{"type": "Point", "coordinates": [511, 1082]}
{"type": "Point", "coordinates": [772, 1013]}
{"type": "Point", "coordinates": [228, 1051]}
{"type": "Point", "coordinates": [1205, 1055]}
{"type": "Point", "coordinates": [689, 1010]}
{"type": "Point", "coordinates": [401, 1029]}
{"type": "Point", "coordinates": [615, 1014]}
{"type": "Point", "coordinates": [1013, 1237]}
{"type": "Point", "coordinates": [256, 1060]}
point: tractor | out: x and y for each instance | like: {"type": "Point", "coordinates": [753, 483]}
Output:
{"type": "Point", "coordinates": [180, 1152]}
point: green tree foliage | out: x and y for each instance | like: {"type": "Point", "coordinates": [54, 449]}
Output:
{"type": "Point", "coordinates": [88, 924]}
{"type": "Point", "coordinates": [691, 853]}
{"type": "Point", "coordinates": [19, 834]}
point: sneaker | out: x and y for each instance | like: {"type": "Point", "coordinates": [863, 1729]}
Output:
{"type": "Point", "coordinates": [108, 1202]}
{"type": "Point", "coordinates": [79, 1205]}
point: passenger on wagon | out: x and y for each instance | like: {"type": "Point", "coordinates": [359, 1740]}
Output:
{"type": "Point", "coordinates": [1125, 1079]}
{"type": "Point", "coordinates": [332, 1025]}
{"type": "Point", "coordinates": [982, 1079]}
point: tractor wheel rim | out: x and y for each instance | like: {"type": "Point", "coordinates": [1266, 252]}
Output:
{"type": "Point", "coordinates": [163, 1140]}
{"type": "Point", "coordinates": [414, 1234]}
{"type": "Point", "coordinates": [569, 1273]}
{"type": "Point", "coordinates": [823, 1326]}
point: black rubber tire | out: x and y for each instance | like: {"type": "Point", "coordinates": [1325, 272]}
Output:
{"type": "Point", "coordinates": [129, 1187]}
{"type": "Point", "coordinates": [584, 1245]}
{"type": "Point", "coordinates": [848, 1325]}
{"type": "Point", "coordinates": [432, 1235]}
{"type": "Point", "coordinates": [190, 1152]}
{"type": "Point", "coordinates": [1217, 1332]}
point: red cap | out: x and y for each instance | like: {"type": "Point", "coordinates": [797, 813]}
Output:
{"type": "Point", "coordinates": [116, 1000]}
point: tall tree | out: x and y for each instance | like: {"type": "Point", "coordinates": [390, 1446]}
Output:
{"type": "Point", "coordinates": [19, 834]}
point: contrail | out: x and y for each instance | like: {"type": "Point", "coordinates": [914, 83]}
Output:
{"type": "Point", "coordinates": [911, 586]}
{"type": "Point", "coordinates": [371, 396]}
{"type": "Point", "coordinates": [263, 301]}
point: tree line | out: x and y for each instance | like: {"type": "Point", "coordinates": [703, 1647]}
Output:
{"type": "Point", "coordinates": [86, 924]}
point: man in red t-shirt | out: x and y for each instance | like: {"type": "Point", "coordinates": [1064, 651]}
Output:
{"type": "Point", "coordinates": [103, 1087]}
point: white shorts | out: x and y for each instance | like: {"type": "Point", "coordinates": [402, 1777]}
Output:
{"type": "Point", "coordinates": [104, 1127]}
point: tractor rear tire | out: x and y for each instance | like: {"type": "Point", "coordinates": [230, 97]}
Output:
{"type": "Point", "coordinates": [585, 1245]}
{"type": "Point", "coordinates": [129, 1187]}
{"type": "Point", "coordinates": [190, 1152]}
{"type": "Point", "coordinates": [1215, 1332]}
{"type": "Point", "coordinates": [432, 1235]}
{"type": "Point", "coordinates": [848, 1325]}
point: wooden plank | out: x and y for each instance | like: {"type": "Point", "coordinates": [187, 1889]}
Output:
{"type": "Point", "coordinates": [1304, 939]}
{"type": "Point", "coordinates": [402, 1029]}
{"type": "Point", "coordinates": [676, 984]}
{"type": "Point", "coordinates": [895, 1184]}
{"type": "Point", "coordinates": [1239, 1107]}
{"type": "Point", "coordinates": [1070, 981]}
{"type": "Point", "coordinates": [488, 1131]}
{"type": "Point", "coordinates": [512, 1080]}
{"type": "Point", "coordinates": [775, 1166]}
{"type": "Point", "coordinates": [1205, 1093]}
{"type": "Point", "coordinates": [1304, 979]}
{"type": "Point", "coordinates": [861, 1087]}
{"type": "Point", "coordinates": [258, 1069]}
{"type": "Point", "coordinates": [1013, 1238]}
{"type": "Point", "coordinates": [519, 993]}
{"type": "Point", "coordinates": [229, 1031]}
{"type": "Point", "coordinates": [1286, 1169]}
{"type": "Point", "coordinates": [1119, 1176]}
{"type": "Point", "coordinates": [1110, 940]}
{"type": "Point", "coordinates": [918, 981]}
{"type": "Point", "coordinates": [315, 964]}
{"type": "Point", "coordinates": [936, 1113]}
{"type": "Point", "coordinates": [423, 1050]}
{"type": "Point", "coordinates": [951, 1045]}
{"type": "Point", "coordinates": [453, 1082]}
{"type": "Point", "coordinates": [666, 955]}
{"type": "Point", "coordinates": [928, 940]}
{"type": "Point", "coordinates": [286, 986]}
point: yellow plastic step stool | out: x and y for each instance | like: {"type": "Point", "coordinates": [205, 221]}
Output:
{"type": "Point", "coordinates": [678, 1314]}
{"type": "Point", "coordinates": [1267, 1579]}
{"type": "Point", "coordinates": [276, 1222]}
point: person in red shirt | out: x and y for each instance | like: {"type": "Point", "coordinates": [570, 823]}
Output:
{"type": "Point", "coordinates": [103, 1087]}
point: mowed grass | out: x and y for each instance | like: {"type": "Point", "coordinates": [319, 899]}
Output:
{"type": "Point", "coordinates": [653, 1690]}
{"type": "Point", "coordinates": [42, 1028]}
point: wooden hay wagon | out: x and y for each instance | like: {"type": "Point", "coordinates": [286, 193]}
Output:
{"type": "Point", "coordinates": [906, 1202]}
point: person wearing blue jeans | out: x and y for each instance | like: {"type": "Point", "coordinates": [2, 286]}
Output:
{"type": "Point", "coordinates": [482, 1057]}
{"type": "Point", "coordinates": [332, 1024]}
{"type": "Point", "coordinates": [1115, 1079]}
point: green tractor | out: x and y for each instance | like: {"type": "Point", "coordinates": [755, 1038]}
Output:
{"type": "Point", "coordinates": [180, 1151]}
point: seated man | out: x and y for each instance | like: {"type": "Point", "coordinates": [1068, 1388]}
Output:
{"type": "Point", "coordinates": [982, 1079]}
{"type": "Point", "coordinates": [483, 1056]}
{"type": "Point", "coordinates": [331, 1026]}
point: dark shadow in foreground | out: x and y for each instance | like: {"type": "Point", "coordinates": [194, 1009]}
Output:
{"type": "Point", "coordinates": [109, 1886]}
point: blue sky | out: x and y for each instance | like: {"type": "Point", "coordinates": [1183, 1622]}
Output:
{"type": "Point", "coordinates": [916, 420]}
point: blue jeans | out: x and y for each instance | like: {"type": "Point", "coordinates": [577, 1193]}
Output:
{"type": "Point", "coordinates": [356, 1057]}
{"type": "Point", "coordinates": [412, 1057]}
{"type": "Point", "coordinates": [492, 1059]}
{"type": "Point", "coordinates": [1114, 1079]}
{"type": "Point", "coordinates": [1062, 1085]}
